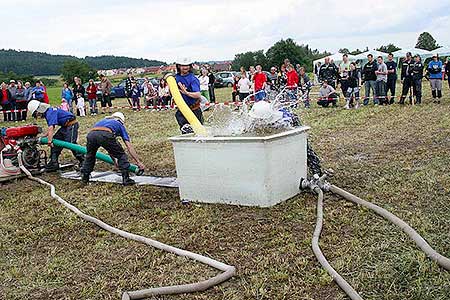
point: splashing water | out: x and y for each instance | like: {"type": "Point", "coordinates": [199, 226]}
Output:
{"type": "Point", "coordinates": [225, 121]}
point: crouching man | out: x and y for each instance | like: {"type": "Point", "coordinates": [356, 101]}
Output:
{"type": "Point", "coordinates": [67, 132]}
{"type": "Point", "coordinates": [104, 134]}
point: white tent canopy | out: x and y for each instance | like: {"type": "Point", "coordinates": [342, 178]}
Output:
{"type": "Point", "coordinates": [337, 58]}
{"type": "Point", "coordinates": [423, 53]}
{"type": "Point", "coordinates": [443, 51]}
{"type": "Point", "coordinates": [375, 53]}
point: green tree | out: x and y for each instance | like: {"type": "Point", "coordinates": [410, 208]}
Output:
{"type": "Point", "coordinates": [344, 51]}
{"type": "Point", "coordinates": [426, 42]}
{"type": "Point", "coordinates": [389, 48]}
{"type": "Point", "coordinates": [76, 68]}
{"type": "Point", "coordinates": [250, 58]}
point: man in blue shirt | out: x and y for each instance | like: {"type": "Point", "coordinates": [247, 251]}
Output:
{"type": "Point", "coordinates": [67, 132]}
{"type": "Point", "coordinates": [103, 134]}
{"type": "Point", "coordinates": [37, 93]}
{"type": "Point", "coordinates": [189, 87]}
{"type": "Point", "coordinates": [434, 71]}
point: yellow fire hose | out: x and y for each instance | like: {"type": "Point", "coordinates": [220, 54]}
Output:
{"type": "Point", "coordinates": [183, 107]}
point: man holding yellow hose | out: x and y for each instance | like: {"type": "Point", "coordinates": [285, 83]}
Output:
{"type": "Point", "coordinates": [189, 87]}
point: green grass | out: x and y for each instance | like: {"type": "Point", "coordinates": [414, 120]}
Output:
{"type": "Point", "coordinates": [395, 156]}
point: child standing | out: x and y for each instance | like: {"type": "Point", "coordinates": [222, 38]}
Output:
{"type": "Point", "coordinates": [64, 105]}
{"type": "Point", "coordinates": [135, 96]}
{"type": "Point", "coordinates": [80, 105]}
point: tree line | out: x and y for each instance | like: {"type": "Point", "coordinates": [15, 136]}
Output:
{"type": "Point", "coordinates": [39, 63]}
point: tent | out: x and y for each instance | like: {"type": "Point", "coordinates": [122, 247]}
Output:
{"type": "Point", "coordinates": [337, 58]}
{"type": "Point", "coordinates": [443, 51]}
{"type": "Point", "coordinates": [375, 53]}
{"type": "Point", "coordinates": [423, 53]}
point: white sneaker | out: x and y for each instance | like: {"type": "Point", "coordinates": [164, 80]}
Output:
{"type": "Point", "coordinates": [357, 106]}
{"type": "Point", "coordinates": [346, 106]}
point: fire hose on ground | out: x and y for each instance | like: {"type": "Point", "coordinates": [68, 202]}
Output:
{"type": "Point", "coordinates": [227, 270]}
{"type": "Point", "coordinates": [318, 185]}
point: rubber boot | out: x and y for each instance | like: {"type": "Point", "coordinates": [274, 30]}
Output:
{"type": "Point", "coordinates": [126, 180]}
{"type": "Point", "coordinates": [439, 95]}
{"type": "Point", "coordinates": [53, 164]}
{"type": "Point", "coordinates": [85, 178]}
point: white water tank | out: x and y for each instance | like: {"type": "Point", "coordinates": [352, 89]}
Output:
{"type": "Point", "coordinates": [251, 171]}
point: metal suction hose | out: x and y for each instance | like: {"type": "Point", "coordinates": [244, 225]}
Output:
{"type": "Point", "coordinates": [228, 271]}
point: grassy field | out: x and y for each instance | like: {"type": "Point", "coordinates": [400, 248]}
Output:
{"type": "Point", "coordinates": [396, 156]}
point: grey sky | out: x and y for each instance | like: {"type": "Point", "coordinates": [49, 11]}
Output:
{"type": "Point", "coordinates": [215, 30]}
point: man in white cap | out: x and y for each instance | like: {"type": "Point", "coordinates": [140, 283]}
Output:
{"type": "Point", "coordinates": [189, 87]}
{"type": "Point", "coordinates": [67, 132]}
{"type": "Point", "coordinates": [104, 134]}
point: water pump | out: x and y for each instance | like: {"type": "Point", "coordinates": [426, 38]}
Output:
{"type": "Point", "coordinates": [22, 138]}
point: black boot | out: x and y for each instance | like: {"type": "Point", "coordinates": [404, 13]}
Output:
{"type": "Point", "coordinates": [126, 180]}
{"type": "Point", "coordinates": [85, 178]}
{"type": "Point", "coordinates": [53, 164]}
{"type": "Point", "coordinates": [439, 95]}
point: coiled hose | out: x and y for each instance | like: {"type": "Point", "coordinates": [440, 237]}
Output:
{"type": "Point", "coordinates": [228, 271]}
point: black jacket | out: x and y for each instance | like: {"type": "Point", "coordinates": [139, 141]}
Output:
{"type": "Point", "coordinates": [392, 65]}
{"type": "Point", "coordinates": [78, 89]}
{"type": "Point", "coordinates": [353, 78]}
{"type": "Point", "coordinates": [407, 67]}
{"type": "Point", "coordinates": [328, 72]}
{"type": "Point", "coordinates": [368, 72]}
{"type": "Point", "coordinates": [417, 70]}
{"type": "Point", "coordinates": [447, 69]}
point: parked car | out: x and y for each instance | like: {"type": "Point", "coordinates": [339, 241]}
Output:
{"type": "Point", "coordinates": [99, 91]}
{"type": "Point", "coordinates": [225, 78]}
{"type": "Point", "coordinates": [119, 90]}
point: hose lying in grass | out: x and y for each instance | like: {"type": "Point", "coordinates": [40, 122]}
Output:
{"type": "Point", "coordinates": [316, 186]}
{"type": "Point", "coordinates": [420, 241]}
{"type": "Point", "coordinates": [344, 285]}
{"type": "Point", "coordinates": [228, 271]}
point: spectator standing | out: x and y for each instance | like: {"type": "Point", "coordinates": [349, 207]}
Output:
{"type": "Point", "coordinates": [316, 72]}
{"type": "Point", "coordinates": [91, 91]}
{"type": "Point", "coordinates": [21, 102]}
{"type": "Point", "coordinates": [37, 92]}
{"type": "Point", "coordinates": [391, 78]}
{"type": "Point", "coordinates": [292, 82]}
{"type": "Point", "coordinates": [344, 67]}
{"type": "Point", "coordinates": [369, 78]}
{"type": "Point", "coordinates": [327, 95]}
{"type": "Point", "coordinates": [417, 75]}
{"type": "Point", "coordinates": [28, 89]}
{"type": "Point", "coordinates": [435, 76]}
{"type": "Point", "coordinates": [78, 87]}
{"type": "Point", "coordinates": [5, 100]}
{"type": "Point", "coordinates": [354, 83]}
{"type": "Point", "coordinates": [235, 92]}
{"type": "Point", "coordinates": [163, 92]}
{"type": "Point", "coordinates": [67, 93]}
{"type": "Point", "coordinates": [329, 72]}
{"type": "Point", "coordinates": [204, 83]}
{"type": "Point", "coordinates": [128, 84]}
{"type": "Point", "coordinates": [244, 86]}
{"type": "Point", "coordinates": [406, 77]}
{"type": "Point", "coordinates": [13, 90]}
{"type": "Point", "coordinates": [272, 79]}
{"type": "Point", "coordinates": [381, 73]}
{"type": "Point", "coordinates": [305, 86]}
{"type": "Point", "coordinates": [212, 80]}
{"type": "Point", "coordinates": [260, 80]}
{"type": "Point", "coordinates": [105, 86]}
{"type": "Point", "coordinates": [135, 96]}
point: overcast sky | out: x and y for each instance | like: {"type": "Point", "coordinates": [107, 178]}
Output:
{"type": "Point", "coordinates": [215, 30]}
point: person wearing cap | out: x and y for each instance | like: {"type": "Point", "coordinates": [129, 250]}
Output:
{"type": "Point", "coordinates": [189, 87]}
{"type": "Point", "coordinates": [272, 79]}
{"type": "Point", "coordinates": [104, 134]}
{"type": "Point", "coordinates": [406, 77]}
{"type": "Point", "coordinates": [67, 132]}
{"type": "Point", "coordinates": [417, 75]}
{"type": "Point", "coordinates": [434, 71]}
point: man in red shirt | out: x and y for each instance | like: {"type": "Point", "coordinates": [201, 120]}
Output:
{"type": "Point", "coordinates": [260, 80]}
{"type": "Point", "coordinates": [292, 82]}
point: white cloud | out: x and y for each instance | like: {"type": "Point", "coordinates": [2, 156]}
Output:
{"type": "Point", "coordinates": [207, 30]}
